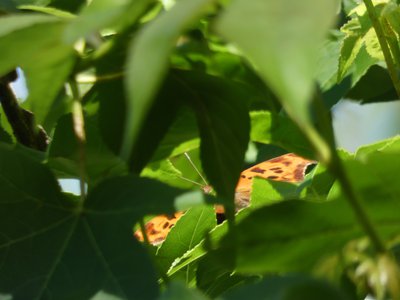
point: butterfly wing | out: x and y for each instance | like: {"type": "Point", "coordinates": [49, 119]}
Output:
{"type": "Point", "coordinates": [288, 167]}
{"type": "Point", "coordinates": [158, 228]}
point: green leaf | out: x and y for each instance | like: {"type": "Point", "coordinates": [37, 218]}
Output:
{"type": "Point", "coordinates": [48, 10]}
{"type": "Point", "coordinates": [177, 290]}
{"type": "Point", "coordinates": [270, 128]}
{"type": "Point", "coordinates": [100, 14]}
{"type": "Point", "coordinates": [328, 57]}
{"type": "Point", "coordinates": [64, 154]}
{"type": "Point", "coordinates": [294, 287]}
{"type": "Point", "coordinates": [53, 244]}
{"type": "Point", "coordinates": [72, 5]}
{"type": "Point", "coordinates": [5, 137]}
{"type": "Point", "coordinates": [213, 279]}
{"type": "Point", "coordinates": [187, 233]}
{"type": "Point", "coordinates": [374, 86]}
{"type": "Point", "coordinates": [12, 23]}
{"type": "Point", "coordinates": [302, 233]}
{"type": "Point", "coordinates": [360, 49]}
{"type": "Point", "coordinates": [265, 192]}
{"type": "Point", "coordinates": [166, 172]}
{"type": "Point", "coordinates": [162, 135]}
{"type": "Point", "coordinates": [223, 122]}
{"type": "Point", "coordinates": [148, 61]}
{"type": "Point", "coordinates": [46, 60]}
{"type": "Point", "coordinates": [373, 172]}
{"type": "Point", "coordinates": [199, 250]}
{"type": "Point", "coordinates": [182, 136]}
{"type": "Point", "coordinates": [281, 39]}
{"type": "Point", "coordinates": [166, 106]}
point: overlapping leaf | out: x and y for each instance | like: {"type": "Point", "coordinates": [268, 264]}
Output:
{"type": "Point", "coordinates": [46, 60]}
{"type": "Point", "coordinates": [53, 244]}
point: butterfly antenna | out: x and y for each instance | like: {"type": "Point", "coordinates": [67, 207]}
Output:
{"type": "Point", "coordinates": [191, 181]}
{"type": "Point", "coordinates": [194, 167]}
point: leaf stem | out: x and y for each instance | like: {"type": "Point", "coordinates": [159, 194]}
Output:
{"type": "Point", "coordinates": [79, 130]}
{"type": "Point", "coordinates": [384, 45]}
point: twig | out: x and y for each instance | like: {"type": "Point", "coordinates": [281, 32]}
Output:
{"type": "Point", "coordinates": [79, 130]}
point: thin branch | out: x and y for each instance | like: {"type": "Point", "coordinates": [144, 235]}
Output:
{"type": "Point", "coordinates": [79, 130]}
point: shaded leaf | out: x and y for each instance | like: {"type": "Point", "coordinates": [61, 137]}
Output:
{"type": "Point", "coordinates": [182, 136]}
{"type": "Point", "coordinates": [64, 154]}
{"type": "Point", "coordinates": [148, 61]}
{"type": "Point", "coordinates": [294, 287]}
{"type": "Point", "coordinates": [53, 244]}
{"type": "Point", "coordinates": [374, 86]}
{"type": "Point", "coordinates": [177, 290]}
{"type": "Point", "coordinates": [302, 233]}
{"type": "Point", "coordinates": [213, 279]}
{"type": "Point", "coordinates": [223, 121]}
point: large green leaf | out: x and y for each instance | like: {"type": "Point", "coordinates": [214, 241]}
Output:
{"type": "Point", "coordinates": [373, 172]}
{"type": "Point", "coordinates": [302, 233]}
{"type": "Point", "coordinates": [46, 60]}
{"type": "Point", "coordinates": [53, 245]}
{"type": "Point", "coordinates": [223, 121]}
{"type": "Point", "coordinates": [162, 136]}
{"type": "Point", "coordinates": [182, 136]}
{"type": "Point", "coordinates": [281, 39]}
{"type": "Point", "coordinates": [295, 287]}
{"type": "Point", "coordinates": [270, 128]}
{"type": "Point", "coordinates": [16, 22]}
{"type": "Point", "coordinates": [148, 61]}
{"type": "Point", "coordinates": [187, 233]}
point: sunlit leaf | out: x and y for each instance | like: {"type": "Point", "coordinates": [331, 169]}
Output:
{"type": "Point", "coordinates": [187, 233]}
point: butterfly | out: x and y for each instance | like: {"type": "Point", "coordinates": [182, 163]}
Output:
{"type": "Point", "coordinates": [288, 168]}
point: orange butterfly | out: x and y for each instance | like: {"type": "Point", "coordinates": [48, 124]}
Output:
{"type": "Point", "coordinates": [288, 167]}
